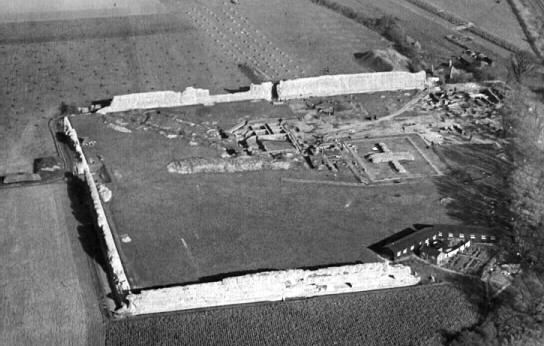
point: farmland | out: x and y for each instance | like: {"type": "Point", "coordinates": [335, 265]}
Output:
{"type": "Point", "coordinates": [407, 316]}
{"type": "Point", "coordinates": [321, 40]}
{"type": "Point", "coordinates": [494, 16]}
{"type": "Point", "coordinates": [47, 291]}
{"type": "Point", "coordinates": [428, 29]}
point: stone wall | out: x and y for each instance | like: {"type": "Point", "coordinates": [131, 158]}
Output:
{"type": "Point", "coordinates": [190, 96]}
{"type": "Point", "coordinates": [287, 90]}
{"type": "Point", "coordinates": [228, 165]}
{"type": "Point", "coordinates": [350, 84]}
{"type": "Point", "coordinates": [116, 268]}
{"type": "Point", "coordinates": [272, 286]}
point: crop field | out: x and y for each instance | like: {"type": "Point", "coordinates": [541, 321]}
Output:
{"type": "Point", "coordinates": [186, 228]}
{"type": "Point", "coordinates": [46, 289]}
{"type": "Point", "coordinates": [428, 29]}
{"type": "Point", "coordinates": [408, 316]}
{"type": "Point", "coordinates": [285, 40]}
{"type": "Point", "coordinates": [324, 40]}
{"type": "Point", "coordinates": [494, 16]}
{"type": "Point", "coordinates": [75, 9]}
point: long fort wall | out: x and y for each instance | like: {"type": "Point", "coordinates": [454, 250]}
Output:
{"type": "Point", "coordinates": [189, 97]}
{"type": "Point", "coordinates": [350, 84]}
{"type": "Point", "coordinates": [113, 259]}
{"type": "Point", "coordinates": [286, 90]}
{"type": "Point", "coordinates": [272, 286]}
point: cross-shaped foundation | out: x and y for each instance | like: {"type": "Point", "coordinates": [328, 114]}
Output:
{"type": "Point", "coordinates": [386, 155]}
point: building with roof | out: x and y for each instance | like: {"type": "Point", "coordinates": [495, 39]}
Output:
{"type": "Point", "coordinates": [421, 237]}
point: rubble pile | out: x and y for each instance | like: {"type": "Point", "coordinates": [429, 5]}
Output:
{"type": "Point", "coordinates": [467, 109]}
{"type": "Point", "coordinates": [500, 276]}
{"type": "Point", "coordinates": [104, 192]}
{"type": "Point", "coordinates": [168, 124]}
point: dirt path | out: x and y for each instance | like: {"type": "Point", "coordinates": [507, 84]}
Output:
{"type": "Point", "coordinates": [46, 293]}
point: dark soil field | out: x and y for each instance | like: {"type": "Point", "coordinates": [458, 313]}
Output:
{"type": "Point", "coordinates": [419, 315]}
{"type": "Point", "coordinates": [199, 227]}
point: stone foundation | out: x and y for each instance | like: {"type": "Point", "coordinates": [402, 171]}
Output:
{"type": "Point", "coordinates": [228, 165]}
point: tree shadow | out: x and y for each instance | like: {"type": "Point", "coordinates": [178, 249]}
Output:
{"type": "Point", "coordinates": [81, 209]}
{"type": "Point", "coordinates": [475, 188]}
{"type": "Point", "coordinates": [476, 191]}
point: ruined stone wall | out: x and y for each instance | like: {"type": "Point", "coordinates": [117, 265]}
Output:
{"type": "Point", "coordinates": [350, 84]}
{"type": "Point", "coordinates": [190, 96]}
{"type": "Point", "coordinates": [287, 90]}
{"type": "Point", "coordinates": [272, 286]}
{"type": "Point", "coordinates": [112, 256]}
{"type": "Point", "coordinates": [227, 165]}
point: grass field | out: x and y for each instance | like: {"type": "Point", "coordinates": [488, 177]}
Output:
{"type": "Point", "coordinates": [198, 227]}
{"type": "Point", "coordinates": [407, 316]}
{"type": "Point", "coordinates": [47, 292]}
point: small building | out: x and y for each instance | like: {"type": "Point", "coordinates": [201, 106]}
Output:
{"type": "Point", "coordinates": [439, 251]}
{"type": "Point", "coordinates": [422, 237]}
